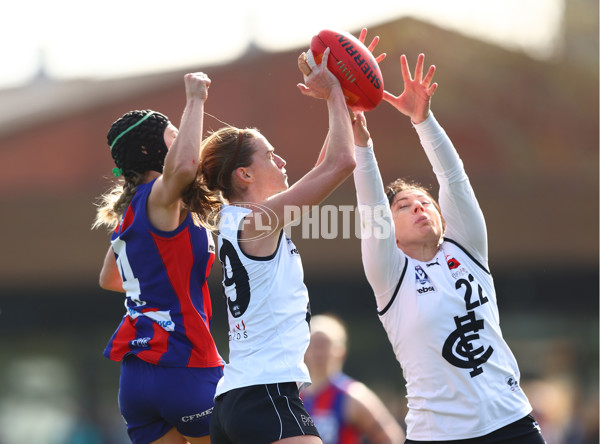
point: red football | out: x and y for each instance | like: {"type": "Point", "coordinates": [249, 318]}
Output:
{"type": "Point", "coordinates": [353, 65]}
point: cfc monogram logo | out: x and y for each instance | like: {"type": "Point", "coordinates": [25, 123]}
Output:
{"type": "Point", "coordinates": [458, 349]}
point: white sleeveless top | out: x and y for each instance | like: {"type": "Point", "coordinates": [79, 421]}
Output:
{"type": "Point", "coordinates": [267, 307]}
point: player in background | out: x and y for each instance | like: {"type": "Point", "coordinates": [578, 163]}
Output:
{"type": "Point", "coordinates": [161, 255]}
{"type": "Point", "coordinates": [434, 292]}
{"type": "Point", "coordinates": [344, 410]}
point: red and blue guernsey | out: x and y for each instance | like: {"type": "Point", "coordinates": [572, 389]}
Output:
{"type": "Point", "coordinates": [169, 310]}
{"type": "Point", "coordinates": [326, 408]}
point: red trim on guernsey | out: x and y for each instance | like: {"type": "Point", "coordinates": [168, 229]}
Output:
{"type": "Point", "coordinates": [349, 435]}
{"type": "Point", "coordinates": [206, 294]}
{"type": "Point", "coordinates": [325, 399]}
{"type": "Point", "coordinates": [125, 333]}
{"type": "Point", "coordinates": [127, 220]}
{"type": "Point", "coordinates": [178, 258]}
{"type": "Point", "coordinates": [158, 345]}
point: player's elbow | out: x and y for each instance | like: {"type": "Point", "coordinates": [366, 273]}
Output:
{"type": "Point", "coordinates": [103, 281]}
{"type": "Point", "coordinates": [350, 164]}
{"type": "Point", "coordinates": [339, 168]}
{"type": "Point", "coordinates": [108, 282]}
{"type": "Point", "coordinates": [184, 171]}
{"type": "Point", "coordinates": [345, 165]}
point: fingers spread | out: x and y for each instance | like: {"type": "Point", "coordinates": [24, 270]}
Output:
{"type": "Point", "coordinates": [388, 97]}
{"type": "Point", "coordinates": [419, 68]}
{"type": "Point", "coordinates": [405, 71]}
{"type": "Point", "coordinates": [363, 35]}
{"type": "Point", "coordinates": [373, 43]}
{"type": "Point", "coordinates": [429, 76]}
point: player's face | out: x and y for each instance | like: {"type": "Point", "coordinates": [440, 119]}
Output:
{"type": "Point", "coordinates": [170, 134]}
{"type": "Point", "coordinates": [319, 352]}
{"type": "Point", "coordinates": [267, 168]}
{"type": "Point", "coordinates": [416, 219]}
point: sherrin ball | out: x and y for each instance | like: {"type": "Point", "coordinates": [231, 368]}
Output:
{"type": "Point", "coordinates": [353, 65]}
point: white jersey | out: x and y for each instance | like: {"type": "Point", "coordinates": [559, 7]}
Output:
{"type": "Point", "coordinates": [441, 316]}
{"type": "Point", "coordinates": [268, 310]}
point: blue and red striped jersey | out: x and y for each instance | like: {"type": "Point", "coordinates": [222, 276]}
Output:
{"type": "Point", "coordinates": [168, 305]}
{"type": "Point", "coordinates": [326, 408]}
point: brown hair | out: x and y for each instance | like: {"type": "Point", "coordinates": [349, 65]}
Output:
{"type": "Point", "coordinates": [200, 201]}
{"type": "Point", "coordinates": [203, 203]}
{"type": "Point", "coordinates": [197, 198]}
{"type": "Point", "coordinates": [399, 185]}
{"type": "Point", "coordinates": [112, 204]}
{"type": "Point", "coordinates": [222, 152]}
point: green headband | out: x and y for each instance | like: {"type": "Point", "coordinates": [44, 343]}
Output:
{"type": "Point", "coordinates": [125, 131]}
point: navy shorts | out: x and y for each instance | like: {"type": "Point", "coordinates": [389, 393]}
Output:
{"type": "Point", "coordinates": [260, 414]}
{"type": "Point", "coordinates": [154, 399]}
{"type": "Point", "coordinates": [524, 431]}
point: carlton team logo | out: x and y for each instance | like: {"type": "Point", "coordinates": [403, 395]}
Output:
{"type": "Point", "coordinates": [459, 348]}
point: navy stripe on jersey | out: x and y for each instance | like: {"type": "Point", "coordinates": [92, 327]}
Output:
{"type": "Point", "coordinates": [169, 310]}
{"type": "Point", "coordinates": [258, 258]}
{"type": "Point", "coordinates": [387, 307]}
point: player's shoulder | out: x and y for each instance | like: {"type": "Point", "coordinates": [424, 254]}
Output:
{"type": "Point", "coordinates": [457, 254]}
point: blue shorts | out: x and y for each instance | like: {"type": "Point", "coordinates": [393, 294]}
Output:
{"type": "Point", "coordinates": [154, 399]}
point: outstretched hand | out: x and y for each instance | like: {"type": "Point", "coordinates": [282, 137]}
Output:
{"type": "Point", "coordinates": [371, 47]}
{"type": "Point", "coordinates": [415, 100]}
{"type": "Point", "coordinates": [318, 80]}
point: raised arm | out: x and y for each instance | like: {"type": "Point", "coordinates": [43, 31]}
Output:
{"type": "Point", "coordinates": [464, 219]}
{"type": "Point", "coordinates": [314, 187]}
{"type": "Point", "coordinates": [371, 417]}
{"type": "Point", "coordinates": [322, 84]}
{"type": "Point", "coordinates": [182, 159]}
{"type": "Point", "coordinates": [382, 259]}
